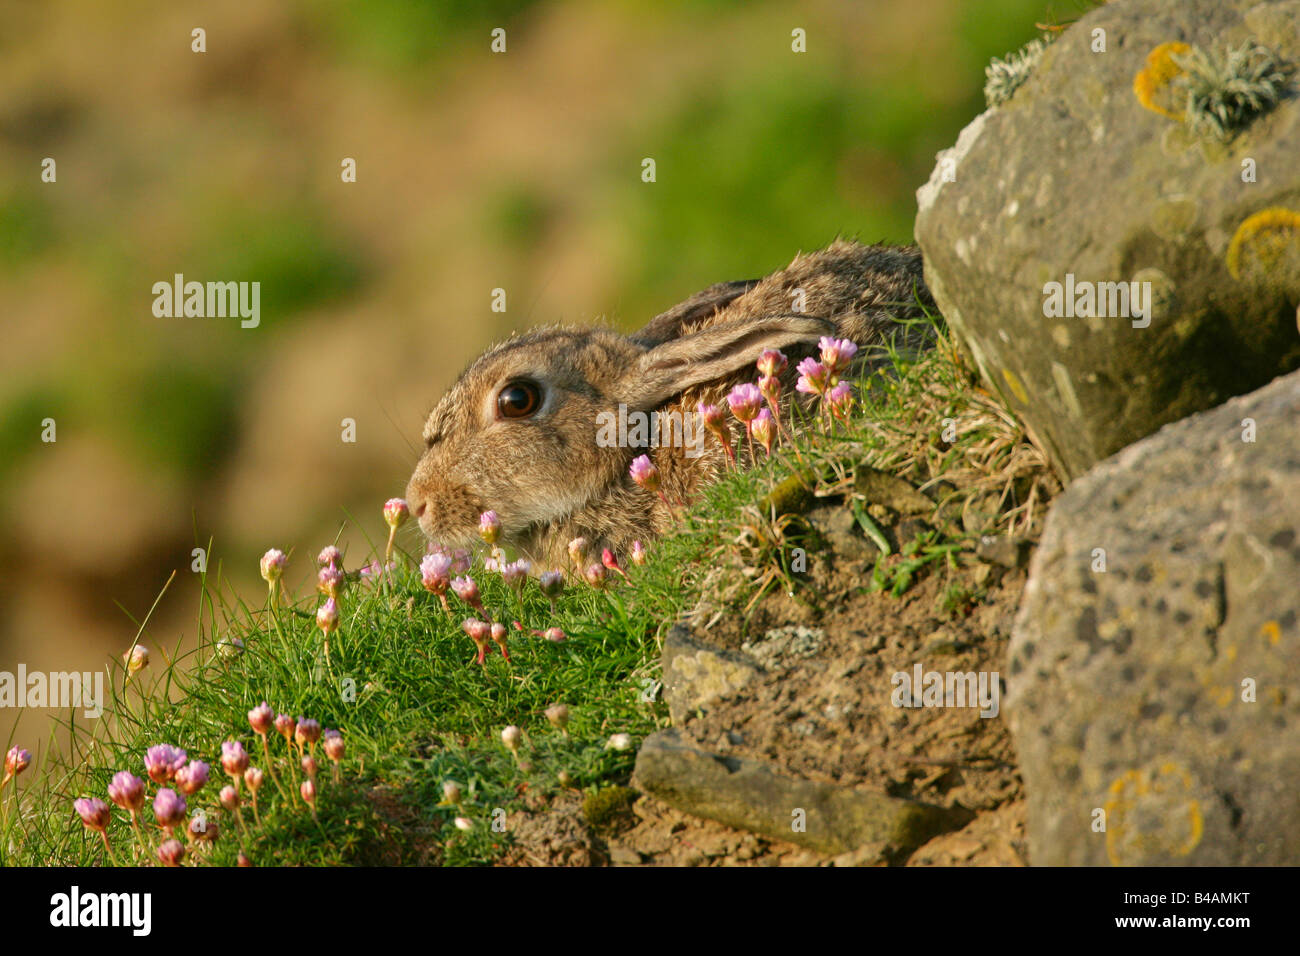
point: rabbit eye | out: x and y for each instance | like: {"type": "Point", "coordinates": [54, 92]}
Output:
{"type": "Point", "coordinates": [519, 400]}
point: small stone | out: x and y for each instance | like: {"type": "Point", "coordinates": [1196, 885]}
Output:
{"type": "Point", "coordinates": [1003, 549]}
{"type": "Point", "coordinates": [624, 856]}
{"type": "Point", "coordinates": [872, 854]}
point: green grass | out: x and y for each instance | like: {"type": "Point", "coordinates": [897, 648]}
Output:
{"type": "Point", "coordinates": [416, 711]}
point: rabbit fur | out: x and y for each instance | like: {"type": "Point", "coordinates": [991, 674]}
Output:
{"type": "Point", "coordinates": [546, 476]}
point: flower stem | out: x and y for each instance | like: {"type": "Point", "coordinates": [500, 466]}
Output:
{"type": "Point", "coordinates": [270, 765]}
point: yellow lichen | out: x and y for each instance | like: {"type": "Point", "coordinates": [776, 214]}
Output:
{"type": "Point", "coordinates": [1139, 797]}
{"type": "Point", "coordinates": [1272, 631]}
{"type": "Point", "coordinates": [1267, 235]}
{"type": "Point", "coordinates": [1156, 75]}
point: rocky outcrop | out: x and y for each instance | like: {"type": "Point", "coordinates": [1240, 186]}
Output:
{"type": "Point", "coordinates": [1153, 660]}
{"type": "Point", "coordinates": [746, 793]}
{"type": "Point", "coordinates": [1109, 265]}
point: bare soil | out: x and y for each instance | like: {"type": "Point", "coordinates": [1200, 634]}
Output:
{"type": "Point", "coordinates": [823, 711]}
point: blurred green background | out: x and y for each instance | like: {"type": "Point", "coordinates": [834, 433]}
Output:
{"type": "Point", "coordinates": [476, 171]}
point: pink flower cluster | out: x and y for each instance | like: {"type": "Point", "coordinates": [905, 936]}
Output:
{"type": "Point", "coordinates": [757, 405]}
{"type": "Point", "coordinates": [178, 780]}
{"type": "Point", "coordinates": [822, 378]}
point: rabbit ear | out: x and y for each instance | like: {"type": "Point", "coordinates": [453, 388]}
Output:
{"type": "Point", "coordinates": [711, 354]}
{"type": "Point", "coordinates": [702, 305]}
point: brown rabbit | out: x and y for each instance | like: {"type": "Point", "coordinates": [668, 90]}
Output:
{"type": "Point", "coordinates": [518, 431]}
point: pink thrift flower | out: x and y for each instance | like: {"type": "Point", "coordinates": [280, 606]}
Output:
{"type": "Point", "coordinates": [608, 560]}
{"type": "Point", "coordinates": [307, 732]}
{"type": "Point", "coordinates": [644, 473]}
{"type": "Point", "coordinates": [261, 719]}
{"type": "Point", "coordinates": [551, 584]}
{"type": "Point", "coordinates": [479, 632]}
{"type": "Point", "coordinates": [515, 573]}
{"type": "Point", "coordinates": [191, 778]}
{"type": "Point", "coordinates": [331, 557]}
{"type": "Point", "coordinates": [94, 813]}
{"type": "Point", "coordinates": [638, 553]}
{"type": "Point", "coordinates": [16, 761]}
{"type": "Point", "coordinates": [772, 363]}
{"type": "Point", "coordinates": [836, 354]}
{"type": "Point", "coordinates": [202, 829]}
{"type": "Point", "coordinates": [764, 430]}
{"type": "Point", "coordinates": [137, 659]}
{"type": "Point", "coordinates": [273, 565]}
{"type": "Point", "coordinates": [489, 527]}
{"type": "Point", "coordinates": [498, 634]}
{"type": "Point", "coordinates": [168, 808]}
{"type": "Point", "coordinates": [840, 399]}
{"type": "Point", "coordinates": [171, 853]}
{"type": "Point", "coordinates": [578, 551]}
{"type": "Point", "coordinates": [435, 572]}
{"type": "Point", "coordinates": [396, 511]}
{"type": "Point", "coordinates": [712, 416]}
{"type": "Point", "coordinates": [330, 582]}
{"type": "Point", "coordinates": [373, 571]}
{"type": "Point", "coordinates": [744, 401]}
{"type": "Point", "coordinates": [595, 575]}
{"type": "Point", "coordinates": [234, 759]}
{"type": "Point", "coordinates": [127, 791]}
{"type": "Point", "coordinates": [332, 743]}
{"type": "Point", "coordinates": [162, 761]}
{"type": "Point", "coordinates": [327, 616]}
{"type": "Point", "coordinates": [286, 725]}
{"type": "Point", "coordinates": [467, 591]}
{"type": "Point", "coordinates": [813, 377]}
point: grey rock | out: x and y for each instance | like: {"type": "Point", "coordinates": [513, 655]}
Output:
{"type": "Point", "coordinates": [887, 489]}
{"type": "Point", "coordinates": [840, 529]}
{"type": "Point", "coordinates": [749, 795]}
{"type": "Point", "coordinates": [1130, 689]}
{"type": "Point", "coordinates": [698, 675]}
{"type": "Point", "coordinates": [1074, 176]}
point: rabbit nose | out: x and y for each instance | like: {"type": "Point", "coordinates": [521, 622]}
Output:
{"type": "Point", "coordinates": [419, 510]}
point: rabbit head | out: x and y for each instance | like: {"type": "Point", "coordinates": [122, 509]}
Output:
{"type": "Point", "coordinates": [517, 432]}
